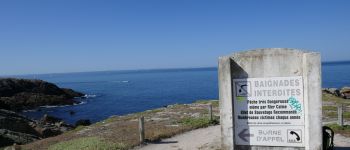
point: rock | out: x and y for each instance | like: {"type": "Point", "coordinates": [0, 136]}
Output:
{"type": "Point", "coordinates": [14, 122]}
{"type": "Point", "coordinates": [83, 122]}
{"type": "Point", "coordinates": [71, 112]}
{"type": "Point", "coordinates": [49, 126]}
{"type": "Point", "coordinates": [333, 91]}
{"type": "Point", "coordinates": [13, 147]}
{"type": "Point", "coordinates": [345, 92]}
{"type": "Point", "coordinates": [49, 119]}
{"type": "Point", "coordinates": [18, 94]}
{"type": "Point", "coordinates": [72, 93]}
{"type": "Point", "coordinates": [49, 132]}
{"type": "Point", "coordinates": [15, 128]}
{"type": "Point", "coordinates": [8, 137]}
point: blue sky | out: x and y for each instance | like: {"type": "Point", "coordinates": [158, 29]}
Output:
{"type": "Point", "coordinates": [72, 36]}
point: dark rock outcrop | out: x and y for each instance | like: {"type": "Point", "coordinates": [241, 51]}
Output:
{"type": "Point", "coordinates": [18, 94]}
{"type": "Point", "coordinates": [8, 137]}
{"type": "Point", "coordinates": [345, 92]}
{"type": "Point", "coordinates": [15, 122]}
{"type": "Point", "coordinates": [333, 91]}
{"type": "Point", "coordinates": [15, 128]}
{"type": "Point", "coordinates": [50, 119]}
{"type": "Point", "coordinates": [83, 122]}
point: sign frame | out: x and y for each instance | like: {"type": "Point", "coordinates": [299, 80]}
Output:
{"type": "Point", "coordinates": [266, 63]}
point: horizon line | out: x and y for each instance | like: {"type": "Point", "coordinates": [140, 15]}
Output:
{"type": "Point", "coordinates": [121, 70]}
{"type": "Point", "coordinates": [149, 69]}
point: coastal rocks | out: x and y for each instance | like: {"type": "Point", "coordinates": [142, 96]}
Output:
{"type": "Point", "coordinates": [343, 92]}
{"type": "Point", "coordinates": [333, 91]}
{"type": "Point", "coordinates": [12, 121]}
{"type": "Point", "coordinates": [19, 94]}
{"type": "Point", "coordinates": [49, 119]}
{"type": "Point", "coordinates": [15, 128]}
{"type": "Point", "coordinates": [49, 126]}
{"type": "Point", "coordinates": [8, 137]}
{"type": "Point", "coordinates": [83, 122]}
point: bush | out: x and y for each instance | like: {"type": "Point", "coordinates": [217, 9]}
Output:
{"type": "Point", "coordinates": [198, 122]}
{"type": "Point", "coordinates": [88, 143]}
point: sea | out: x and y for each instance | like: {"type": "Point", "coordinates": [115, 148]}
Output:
{"type": "Point", "coordinates": [111, 93]}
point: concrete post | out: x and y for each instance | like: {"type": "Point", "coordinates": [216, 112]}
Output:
{"type": "Point", "coordinates": [210, 112]}
{"type": "Point", "coordinates": [265, 65]}
{"type": "Point", "coordinates": [340, 115]}
{"type": "Point", "coordinates": [142, 129]}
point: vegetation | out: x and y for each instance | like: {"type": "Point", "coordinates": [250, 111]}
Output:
{"type": "Point", "coordinates": [214, 103]}
{"type": "Point", "coordinates": [329, 108]}
{"type": "Point", "coordinates": [334, 99]}
{"type": "Point", "coordinates": [121, 132]}
{"type": "Point", "coordinates": [344, 130]}
{"type": "Point", "coordinates": [199, 122]}
{"type": "Point", "coordinates": [87, 143]}
{"type": "Point", "coordinates": [334, 114]}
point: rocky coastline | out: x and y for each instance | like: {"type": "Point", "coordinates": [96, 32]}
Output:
{"type": "Point", "coordinates": [21, 94]}
{"type": "Point", "coordinates": [339, 92]}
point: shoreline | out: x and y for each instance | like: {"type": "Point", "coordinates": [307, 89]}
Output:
{"type": "Point", "coordinates": [160, 123]}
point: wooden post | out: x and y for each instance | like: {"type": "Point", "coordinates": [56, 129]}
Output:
{"type": "Point", "coordinates": [340, 115]}
{"type": "Point", "coordinates": [142, 129]}
{"type": "Point", "coordinates": [211, 112]}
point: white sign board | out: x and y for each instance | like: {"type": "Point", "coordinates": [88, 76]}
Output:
{"type": "Point", "coordinates": [269, 111]}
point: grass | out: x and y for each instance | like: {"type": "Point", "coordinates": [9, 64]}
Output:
{"type": "Point", "coordinates": [337, 100]}
{"type": "Point", "coordinates": [121, 132]}
{"type": "Point", "coordinates": [88, 143]}
{"type": "Point", "coordinates": [334, 114]}
{"type": "Point", "coordinates": [201, 122]}
{"type": "Point", "coordinates": [214, 103]}
{"type": "Point", "coordinates": [329, 108]}
{"type": "Point", "coordinates": [344, 130]}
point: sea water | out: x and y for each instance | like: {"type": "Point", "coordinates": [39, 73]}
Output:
{"type": "Point", "coordinates": [122, 92]}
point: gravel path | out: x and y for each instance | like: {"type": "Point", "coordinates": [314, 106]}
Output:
{"type": "Point", "coordinates": [203, 139]}
{"type": "Point", "coordinates": [209, 139]}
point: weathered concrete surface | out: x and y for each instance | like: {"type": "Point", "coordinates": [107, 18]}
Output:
{"type": "Point", "coordinates": [274, 62]}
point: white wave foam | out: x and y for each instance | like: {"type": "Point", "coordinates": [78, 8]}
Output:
{"type": "Point", "coordinates": [124, 81]}
{"type": "Point", "coordinates": [53, 106]}
{"type": "Point", "coordinates": [81, 103]}
{"type": "Point", "coordinates": [30, 110]}
{"type": "Point", "coordinates": [89, 96]}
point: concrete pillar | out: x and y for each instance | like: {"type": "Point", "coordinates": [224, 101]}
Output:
{"type": "Point", "coordinates": [340, 115]}
{"type": "Point", "coordinates": [266, 64]}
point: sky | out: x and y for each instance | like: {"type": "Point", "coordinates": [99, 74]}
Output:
{"type": "Point", "coordinates": [56, 36]}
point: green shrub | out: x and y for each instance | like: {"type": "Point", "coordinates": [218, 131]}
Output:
{"type": "Point", "coordinates": [337, 127]}
{"type": "Point", "coordinates": [214, 103]}
{"type": "Point", "coordinates": [330, 108]}
{"type": "Point", "coordinates": [198, 122]}
{"type": "Point", "coordinates": [88, 143]}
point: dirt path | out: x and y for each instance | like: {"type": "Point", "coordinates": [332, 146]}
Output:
{"type": "Point", "coordinates": [209, 139]}
{"type": "Point", "coordinates": [203, 139]}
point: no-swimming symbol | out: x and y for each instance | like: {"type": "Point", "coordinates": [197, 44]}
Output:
{"type": "Point", "coordinates": [242, 88]}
